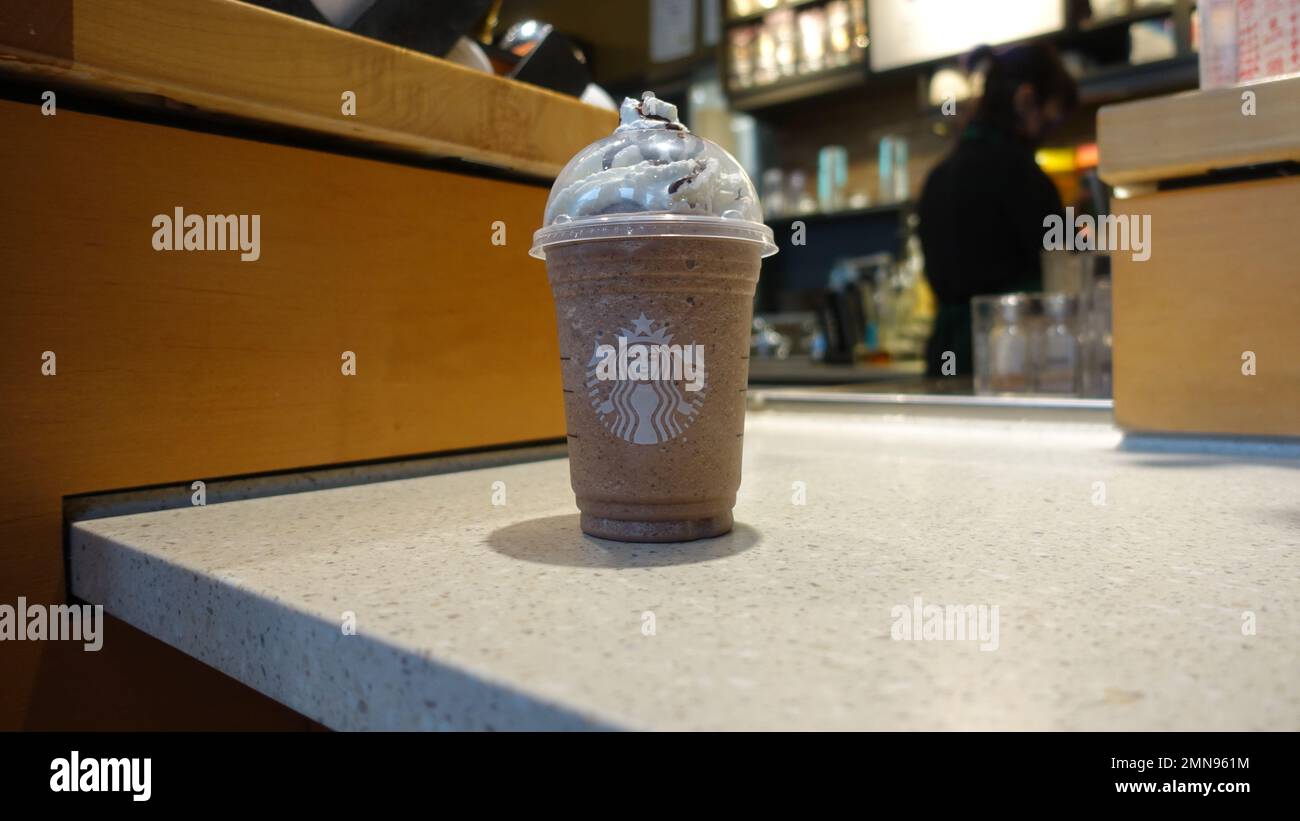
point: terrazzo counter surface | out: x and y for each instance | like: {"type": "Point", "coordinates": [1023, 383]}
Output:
{"type": "Point", "coordinates": [1099, 587]}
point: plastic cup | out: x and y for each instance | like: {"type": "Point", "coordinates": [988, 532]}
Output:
{"type": "Point", "coordinates": [653, 265]}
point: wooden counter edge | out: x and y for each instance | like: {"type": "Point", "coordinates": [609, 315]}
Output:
{"type": "Point", "coordinates": [214, 55]}
{"type": "Point", "coordinates": [1197, 132]}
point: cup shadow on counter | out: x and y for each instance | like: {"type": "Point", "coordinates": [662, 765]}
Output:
{"type": "Point", "coordinates": [557, 540]}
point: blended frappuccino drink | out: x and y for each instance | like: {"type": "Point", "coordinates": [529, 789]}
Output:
{"type": "Point", "coordinates": [653, 240]}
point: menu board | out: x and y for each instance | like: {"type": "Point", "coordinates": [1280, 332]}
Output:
{"type": "Point", "coordinates": [906, 32]}
{"type": "Point", "coordinates": [1268, 39]}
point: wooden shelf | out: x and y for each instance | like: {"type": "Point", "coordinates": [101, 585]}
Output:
{"type": "Point", "coordinates": [1109, 84]}
{"type": "Point", "coordinates": [798, 87]}
{"type": "Point", "coordinates": [759, 15]}
{"type": "Point", "coordinates": [1087, 26]}
{"type": "Point", "coordinates": [244, 61]}
{"type": "Point", "coordinates": [882, 209]}
{"type": "Point", "coordinates": [1144, 79]}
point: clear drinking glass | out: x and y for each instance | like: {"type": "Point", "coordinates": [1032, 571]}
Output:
{"type": "Point", "coordinates": [1096, 342]}
{"type": "Point", "coordinates": [1057, 357]}
{"type": "Point", "coordinates": [982, 311]}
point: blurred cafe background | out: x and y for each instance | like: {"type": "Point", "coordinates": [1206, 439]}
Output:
{"type": "Point", "coordinates": [841, 111]}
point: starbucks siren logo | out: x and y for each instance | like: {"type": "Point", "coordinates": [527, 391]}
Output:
{"type": "Point", "coordinates": [645, 389]}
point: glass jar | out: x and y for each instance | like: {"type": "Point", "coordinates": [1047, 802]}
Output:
{"type": "Point", "coordinates": [1004, 332]}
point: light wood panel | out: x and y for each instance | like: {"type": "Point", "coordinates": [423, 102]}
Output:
{"type": "Point", "coordinates": [175, 366]}
{"type": "Point", "coordinates": [1189, 134]}
{"type": "Point", "coordinates": [242, 60]}
{"type": "Point", "coordinates": [1223, 278]}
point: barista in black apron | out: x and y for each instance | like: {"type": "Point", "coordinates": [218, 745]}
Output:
{"type": "Point", "coordinates": [983, 206]}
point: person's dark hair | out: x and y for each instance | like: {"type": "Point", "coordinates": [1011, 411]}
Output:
{"type": "Point", "coordinates": [1037, 64]}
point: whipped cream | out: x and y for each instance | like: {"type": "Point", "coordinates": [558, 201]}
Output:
{"type": "Point", "coordinates": [651, 164]}
{"type": "Point", "coordinates": [650, 112]}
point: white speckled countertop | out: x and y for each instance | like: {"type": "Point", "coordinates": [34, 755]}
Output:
{"type": "Point", "coordinates": [1122, 580]}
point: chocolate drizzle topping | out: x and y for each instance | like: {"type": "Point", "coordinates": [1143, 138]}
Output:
{"type": "Point", "coordinates": [699, 167]}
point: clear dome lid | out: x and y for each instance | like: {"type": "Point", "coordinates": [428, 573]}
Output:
{"type": "Point", "coordinates": [652, 177]}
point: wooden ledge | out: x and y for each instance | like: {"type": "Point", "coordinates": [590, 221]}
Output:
{"type": "Point", "coordinates": [241, 60]}
{"type": "Point", "coordinates": [1199, 131]}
